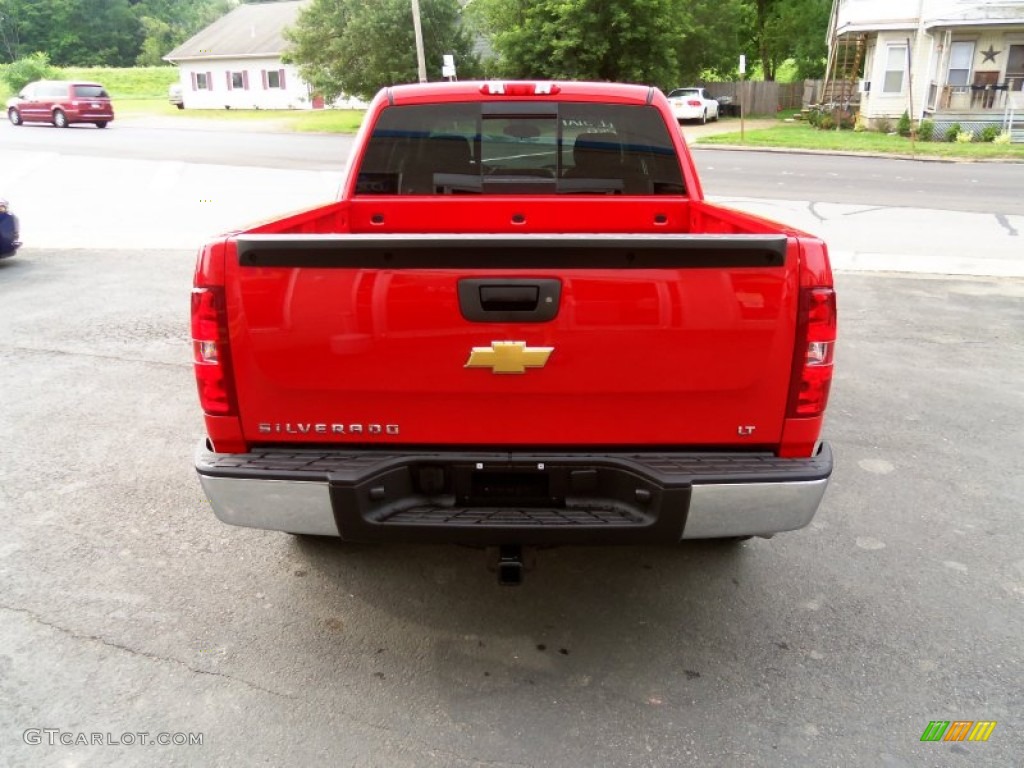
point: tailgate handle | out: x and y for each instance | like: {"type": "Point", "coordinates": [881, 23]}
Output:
{"type": "Point", "coordinates": [509, 300]}
{"type": "Point", "coordinates": [503, 298]}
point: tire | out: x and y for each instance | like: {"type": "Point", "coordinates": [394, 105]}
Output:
{"type": "Point", "coordinates": [717, 114]}
{"type": "Point", "coordinates": [704, 118]}
{"type": "Point", "coordinates": [181, 106]}
{"type": "Point", "coordinates": [60, 119]}
{"type": "Point", "coordinates": [14, 116]}
{"type": "Point", "coordinates": [101, 124]}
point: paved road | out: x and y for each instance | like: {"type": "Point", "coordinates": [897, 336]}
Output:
{"type": "Point", "coordinates": [142, 189]}
{"type": "Point", "coordinates": [978, 187]}
{"type": "Point", "coordinates": [964, 187]}
{"type": "Point", "coordinates": [125, 606]}
{"type": "Point", "coordinates": [202, 142]}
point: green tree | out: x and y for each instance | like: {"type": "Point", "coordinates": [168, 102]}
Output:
{"type": "Point", "coordinates": [101, 32]}
{"type": "Point", "coordinates": [789, 29]}
{"type": "Point", "coordinates": [356, 48]}
{"type": "Point", "coordinates": [74, 32]}
{"type": "Point", "coordinates": [168, 23]}
{"type": "Point", "coordinates": [711, 39]}
{"type": "Point", "coordinates": [664, 42]}
{"type": "Point", "coordinates": [629, 40]}
{"type": "Point", "coordinates": [24, 71]}
{"type": "Point", "coordinates": [159, 40]}
{"type": "Point", "coordinates": [808, 30]}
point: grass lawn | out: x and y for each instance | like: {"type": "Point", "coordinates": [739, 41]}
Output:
{"type": "Point", "coordinates": [319, 120]}
{"type": "Point", "coordinates": [803, 136]}
{"type": "Point", "coordinates": [126, 82]}
{"type": "Point", "coordinates": [143, 107]}
{"type": "Point", "coordinates": [121, 82]}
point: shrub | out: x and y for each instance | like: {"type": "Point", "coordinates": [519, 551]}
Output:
{"type": "Point", "coordinates": [903, 124]}
{"type": "Point", "coordinates": [965, 137]}
{"type": "Point", "coordinates": [989, 133]}
{"type": "Point", "coordinates": [127, 82]}
{"type": "Point", "coordinates": [884, 125]}
{"type": "Point", "coordinates": [952, 132]}
{"type": "Point", "coordinates": [27, 69]}
{"type": "Point", "coordinates": [926, 130]}
{"type": "Point", "coordinates": [826, 117]}
{"type": "Point", "coordinates": [1002, 138]}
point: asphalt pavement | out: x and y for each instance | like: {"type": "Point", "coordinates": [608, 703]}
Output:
{"type": "Point", "coordinates": [126, 608]}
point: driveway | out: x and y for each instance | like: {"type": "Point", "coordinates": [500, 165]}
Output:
{"type": "Point", "coordinates": [694, 131]}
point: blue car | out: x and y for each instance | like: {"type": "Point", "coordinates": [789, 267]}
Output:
{"type": "Point", "coordinates": [9, 241]}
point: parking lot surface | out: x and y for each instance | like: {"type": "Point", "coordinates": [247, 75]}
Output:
{"type": "Point", "coordinates": [129, 614]}
{"type": "Point", "coordinates": [125, 606]}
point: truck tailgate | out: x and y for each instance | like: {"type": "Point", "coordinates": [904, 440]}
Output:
{"type": "Point", "coordinates": [539, 340]}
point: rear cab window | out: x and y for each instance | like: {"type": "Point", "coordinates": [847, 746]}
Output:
{"type": "Point", "coordinates": [520, 148]}
{"type": "Point", "coordinates": [91, 92]}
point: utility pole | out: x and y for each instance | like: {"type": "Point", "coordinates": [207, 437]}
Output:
{"type": "Point", "coordinates": [421, 61]}
{"type": "Point", "coordinates": [743, 100]}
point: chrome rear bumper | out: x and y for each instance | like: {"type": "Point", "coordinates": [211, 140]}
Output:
{"type": "Point", "coordinates": [438, 496]}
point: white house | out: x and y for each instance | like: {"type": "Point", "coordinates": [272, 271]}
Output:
{"type": "Point", "coordinates": [235, 63]}
{"type": "Point", "coordinates": [954, 61]}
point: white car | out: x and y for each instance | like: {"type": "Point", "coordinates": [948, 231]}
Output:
{"type": "Point", "coordinates": [174, 96]}
{"type": "Point", "coordinates": [693, 104]}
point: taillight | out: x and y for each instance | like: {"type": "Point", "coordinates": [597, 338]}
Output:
{"type": "Point", "coordinates": [812, 364]}
{"type": "Point", "coordinates": [693, 103]}
{"type": "Point", "coordinates": [501, 88]}
{"type": "Point", "coordinates": [210, 351]}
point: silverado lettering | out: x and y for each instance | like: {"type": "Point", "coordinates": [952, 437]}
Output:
{"type": "Point", "coordinates": [579, 348]}
{"type": "Point", "coordinates": [324, 428]}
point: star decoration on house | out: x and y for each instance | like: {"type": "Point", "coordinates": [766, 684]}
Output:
{"type": "Point", "coordinates": [990, 55]}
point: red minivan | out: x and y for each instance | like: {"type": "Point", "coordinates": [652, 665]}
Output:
{"type": "Point", "coordinates": [61, 102]}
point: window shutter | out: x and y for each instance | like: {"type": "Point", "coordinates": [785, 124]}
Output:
{"type": "Point", "coordinates": [264, 72]}
{"type": "Point", "coordinates": [281, 80]}
{"type": "Point", "coordinates": [193, 80]}
{"type": "Point", "coordinates": [209, 81]}
{"type": "Point", "coordinates": [245, 79]}
{"type": "Point", "coordinates": [228, 75]}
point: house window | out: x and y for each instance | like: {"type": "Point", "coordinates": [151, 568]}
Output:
{"type": "Point", "coordinates": [237, 80]}
{"type": "Point", "coordinates": [202, 84]}
{"type": "Point", "coordinates": [895, 67]}
{"type": "Point", "coordinates": [273, 78]}
{"type": "Point", "coordinates": [960, 57]}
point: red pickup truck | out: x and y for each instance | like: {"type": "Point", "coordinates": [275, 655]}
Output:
{"type": "Point", "coordinates": [521, 324]}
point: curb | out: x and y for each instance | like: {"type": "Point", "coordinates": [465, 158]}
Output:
{"type": "Point", "coordinates": [848, 153]}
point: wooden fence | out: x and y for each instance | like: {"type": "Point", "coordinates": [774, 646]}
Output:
{"type": "Point", "coordinates": [767, 98]}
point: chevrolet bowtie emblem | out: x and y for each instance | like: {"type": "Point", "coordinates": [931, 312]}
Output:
{"type": "Point", "coordinates": [508, 357]}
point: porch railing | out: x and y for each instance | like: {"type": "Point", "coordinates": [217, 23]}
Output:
{"type": "Point", "coordinates": [978, 98]}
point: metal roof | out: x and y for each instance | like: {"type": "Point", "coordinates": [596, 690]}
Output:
{"type": "Point", "coordinates": [254, 29]}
